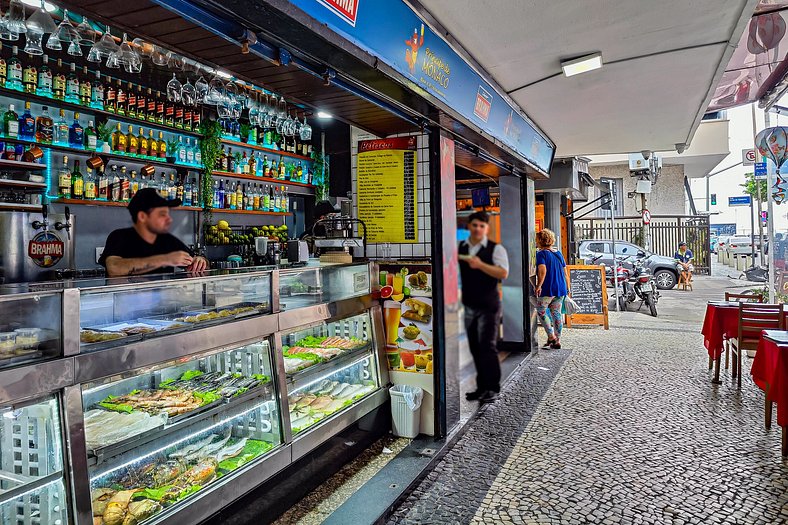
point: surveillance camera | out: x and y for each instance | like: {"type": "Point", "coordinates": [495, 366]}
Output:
{"type": "Point", "coordinates": [680, 147]}
{"type": "Point", "coordinates": [646, 154]}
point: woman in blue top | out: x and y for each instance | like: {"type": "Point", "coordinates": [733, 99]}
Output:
{"type": "Point", "coordinates": [550, 287]}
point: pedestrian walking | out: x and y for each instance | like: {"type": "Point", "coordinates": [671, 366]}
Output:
{"type": "Point", "coordinates": [483, 265]}
{"type": "Point", "coordinates": [550, 287]}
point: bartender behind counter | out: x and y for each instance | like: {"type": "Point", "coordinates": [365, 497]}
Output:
{"type": "Point", "coordinates": [147, 247]}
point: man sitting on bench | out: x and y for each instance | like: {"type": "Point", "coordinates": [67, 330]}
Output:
{"type": "Point", "coordinates": [684, 264]}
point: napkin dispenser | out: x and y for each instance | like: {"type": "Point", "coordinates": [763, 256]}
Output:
{"type": "Point", "coordinates": [297, 251]}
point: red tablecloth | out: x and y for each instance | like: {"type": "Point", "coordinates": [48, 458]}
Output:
{"type": "Point", "coordinates": [770, 367]}
{"type": "Point", "coordinates": [721, 322]}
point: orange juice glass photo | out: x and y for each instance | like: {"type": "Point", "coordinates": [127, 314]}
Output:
{"type": "Point", "coordinates": [392, 311]}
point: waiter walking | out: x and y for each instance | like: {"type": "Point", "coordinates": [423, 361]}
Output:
{"type": "Point", "coordinates": [148, 247]}
{"type": "Point", "coordinates": [483, 265]}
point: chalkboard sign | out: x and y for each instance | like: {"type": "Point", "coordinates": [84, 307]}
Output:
{"type": "Point", "coordinates": [588, 289]}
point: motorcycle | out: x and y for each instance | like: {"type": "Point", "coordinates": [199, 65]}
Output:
{"type": "Point", "coordinates": [640, 285]}
{"type": "Point", "coordinates": [622, 278]}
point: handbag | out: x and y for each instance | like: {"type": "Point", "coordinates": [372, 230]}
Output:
{"type": "Point", "coordinates": [570, 306]}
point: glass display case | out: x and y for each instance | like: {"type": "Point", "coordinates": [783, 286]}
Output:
{"type": "Point", "coordinates": [311, 285]}
{"type": "Point", "coordinates": [329, 366]}
{"type": "Point", "coordinates": [116, 315]}
{"type": "Point", "coordinates": [30, 327]}
{"type": "Point", "coordinates": [158, 436]}
{"type": "Point", "coordinates": [32, 489]}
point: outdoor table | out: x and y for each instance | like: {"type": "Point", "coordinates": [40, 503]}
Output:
{"type": "Point", "coordinates": [770, 373]}
{"type": "Point", "coordinates": [720, 323]}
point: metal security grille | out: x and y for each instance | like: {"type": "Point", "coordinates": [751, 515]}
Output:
{"type": "Point", "coordinates": [667, 231]}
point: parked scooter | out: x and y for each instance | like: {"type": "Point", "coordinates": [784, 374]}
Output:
{"type": "Point", "coordinates": [640, 285]}
{"type": "Point", "coordinates": [622, 278]}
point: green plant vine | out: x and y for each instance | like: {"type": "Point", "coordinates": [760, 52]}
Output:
{"type": "Point", "coordinates": [210, 148]}
{"type": "Point", "coordinates": [320, 175]}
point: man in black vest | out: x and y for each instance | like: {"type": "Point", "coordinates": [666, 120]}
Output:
{"type": "Point", "coordinates": [484, 265]}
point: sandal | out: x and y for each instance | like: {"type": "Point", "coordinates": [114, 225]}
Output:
{"type": "Point", "coordinates": [555, 344]}
{"type": "Point", "coordinates": [550, 342]}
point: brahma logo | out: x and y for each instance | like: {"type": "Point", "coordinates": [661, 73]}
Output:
{"type": "Point", "coordinates": [46, 249]}
{"type": "Point", "coordinates": [483, 104]}
{"type": "Point", "coordinates": [347, 10]}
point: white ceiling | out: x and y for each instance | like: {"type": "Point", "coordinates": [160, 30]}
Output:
{"type": "Point", "coordinates": [663, 60]}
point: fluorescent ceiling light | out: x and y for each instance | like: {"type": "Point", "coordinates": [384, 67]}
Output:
{"type": "Point", "coordinates": [223, 74]}
{"type": "Point", "coordinates": [323, 114]}
{"type": "Point", "coordinates": [582, 64]}
{"type": "Point", "coordinates": [36, 3]}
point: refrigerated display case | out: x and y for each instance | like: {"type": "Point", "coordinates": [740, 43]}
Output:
{"type": "Point", "coordinates": [312, 285]}
{"type": "Point", "coordinates": [32, 488]}
{"type": "Point", "coordinates": [30, 327]}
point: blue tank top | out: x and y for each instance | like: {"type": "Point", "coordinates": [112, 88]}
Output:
{"type": "Point", "coordinates": [554, 284]}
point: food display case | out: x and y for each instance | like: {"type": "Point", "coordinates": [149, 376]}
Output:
{"type": "Point", "coordinates": [32, 485]}
{"type": "Point", "coordinates": [30, 327]}
{"type": "Point", "coordinates": [180, 392]}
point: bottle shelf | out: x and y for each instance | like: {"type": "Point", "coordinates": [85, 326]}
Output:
{"type": "Point", "coordinates": [83, 202]}
{"type": "Point", "coordinates": [266, 150]}
{"type": "Point", "coordinates": [22, 183]}
{"type": "Point", "coordinates": [242, 176]}
{"type": "Point", "coordinates": [19, 207]}
{"type": "Point", "coordinates": [251, 212]}
{"type": "Point", "coordinates": [18, 164]}
{"type": "Point", "coordinates": [82, 151]}
{"type": "Point", "coordinates": [71, 106]}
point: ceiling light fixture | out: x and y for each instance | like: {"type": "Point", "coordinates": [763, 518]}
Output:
{"type": "Point", "coordinates": [582, 64]}
{"type": "Point", "coordinates": [323, 114]}
{"type": "Point", "coordinates": [37, 3]}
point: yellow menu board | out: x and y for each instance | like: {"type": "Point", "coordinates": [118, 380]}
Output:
{"type": "Point", "coordinates": [386, 182]}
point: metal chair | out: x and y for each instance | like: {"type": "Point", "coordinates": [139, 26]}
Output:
{"type": "Point", "coordinates": [753, 318]}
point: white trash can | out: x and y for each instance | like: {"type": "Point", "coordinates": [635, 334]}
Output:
{"type": "Point", "coordinates": [406, 410]}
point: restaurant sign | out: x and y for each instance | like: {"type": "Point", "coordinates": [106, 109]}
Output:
{"type": "Point", "coordinates": [394, 33]}
{"type": "Point", "coordinates": [46, 249]}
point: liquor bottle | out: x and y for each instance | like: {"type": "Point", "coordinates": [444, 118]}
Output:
{"type": "Point", "coordinates": [153, 145]}
{"type": "Point", "coordinates": [159, 108]}
{"type": "Point", "coordinates": [103, 186]}
{"type": "Point", "coordinates": [162, 146]}
{"type": "Point", "coordinates": [163, 186]}
{"type": "Point", "coordinates": [256, 198]}
{"type": "Point", "coordinates": [76, 133]}
{"type": "Point", "coordinates": [197, 153]}
{"type": "Point", "coordinates": [72, 85]}
{"type": "Point", "coordinates": [133, 143]}
{"type": "Point", "coordinates": [131, 101]}
{"type": "Point", "coordinates": [134, 185]}
{"type": "Point", "coordinates": [91, 136]}
{"type": "Point", "coordinates": [300, 173]}
{"type": "Point", "coordinates": [77, 182]}
{"type": "Point", "coordinates": [61, 129]}
{"type": "Point", "coordinates": [252, 169]}
{"type": "Point", "coordinates": [224, 160]}
{"type": "Point", "coordinates": [144, 144]}
{"type": "Point", "coordinates": [27, 124]}
{"type": "Point", "coordinates": [187, 193]}
{"type": "Point", "coordinates": [281, 174]}
{"type": "Point", "coordinates": [196, 119]}
{"type": "Point", "coordinates": [44, 127]}
{"type": "Point", "coordinates": [285, 200]}
{"type": "Point", "coordinates": [85, 88]}
{"type": "Point", "coordinates": [125, 186]}
{"type": "Point", "coordinates": [90, 185]}
{"type": "Point", "coordinates": [169, 114]}
{"type": "Point", "coordinates": [11, 123]}
{"type": "Point", "coordinates": [120, 100]}
{"type": "Point", "coordinates": [59, 82]}
{"type": "Point", "coordinates": [229, 196]}
{"type": "Point", "coordinates": [150, 113]}
{"type": "Point", "coordinates": [110, 97]}
{"type": "Point", "coordinates": [143, 182]}
{"type": "Point", "coordinates": [172, 188]}
{"type": "Point", "coordinates": [218, 202]}
{"type": "Point", "coordinates": [119, 140]}
{"type": "Point", "coordinates": [239, 197]}
{"type": "Point", "coordinates": [3, 69]}
{"type": "Point", "coordinates": [29, 77]}
{"type": "Point", "coordinates": [245, 164]}
{"type": "Point", "coordinates": [195, 193]}
{"type": "Point", "coordinates": [275, 199]}
{"type": "Point", "coordinates": [189, 152]}
{"type": "Point", "coordinates": [264, 167]}
{"type": "Point", "coordinates": [44, 85]}
{"type": "Point", "coordinates": [178, 116]}
{"type": "Point", "coordinates": [64, 181]}
{"type": "Point", "coordinates": [179, 189]}
{"type": "Point", "coordinates": [113, 184]}
{"type": "Point", "coordinates": [97, 93]}
{"type": "Point", "coordinates": [142, 103]}
{"type": "Point", "coordinates": [269, 199]}
{"type": "Point", "coordinates": [14, 80]}
{"type": "Point", "coordinates": [230, 160]}
{"type": "Point", "coordinates": [187, 119]}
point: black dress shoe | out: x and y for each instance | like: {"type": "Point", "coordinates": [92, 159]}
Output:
{"type": "Point", "coordinates": [488, 397]}
{"type": "Point", "coordinates": [473, 396]}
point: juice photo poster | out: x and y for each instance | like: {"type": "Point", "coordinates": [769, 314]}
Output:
{"type": "Point", "coordinates": [406, 295]}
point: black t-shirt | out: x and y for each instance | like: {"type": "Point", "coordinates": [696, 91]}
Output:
{"type": "Point", "coordinates": [127, 243]}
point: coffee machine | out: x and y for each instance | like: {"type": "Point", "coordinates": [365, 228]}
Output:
{"type": "Point", "coordinates": [343, 234]}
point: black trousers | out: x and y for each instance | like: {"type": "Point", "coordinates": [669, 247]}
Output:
{"type": "Point", "coordinates": [482, 329]}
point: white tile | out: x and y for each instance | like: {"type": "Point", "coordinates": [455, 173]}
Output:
{"type": "Point", "coordinates": [406, 250]}
{"type": "Point", "coordinates": [418, 250]}
{"type": "Point", "coordinates": [428, 250]}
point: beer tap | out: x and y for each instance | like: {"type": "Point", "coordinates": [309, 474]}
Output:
{"type": "Point", "coordinates": [65, 225]}
{"type": "Point", "coordinates": [37, 225]}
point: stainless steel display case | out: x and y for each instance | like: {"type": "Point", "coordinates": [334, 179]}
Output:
{"type": "Point", "coordinates": [108, 454]}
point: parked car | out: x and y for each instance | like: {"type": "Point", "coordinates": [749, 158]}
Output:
{"type": "Point", "coordinates": [742, 244]}
{"type": "Point", "coordinates": [662, 268]}
{"type": "Point", "coordinates": [722, 243]}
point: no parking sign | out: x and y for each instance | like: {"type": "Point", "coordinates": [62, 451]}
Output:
{"type": "Point", "coordinates": [646, 217]}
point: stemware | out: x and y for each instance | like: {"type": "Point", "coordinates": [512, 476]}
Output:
{"type": "Point", "coordinates": [297, 126]}
{"type": "Point", "coordinates": [5, 34]}
{"type": "Point", "coordinates": [174, 60]}
{"type": "Point", "coordinates": [145, 49]}
{"type": "Point", "coordinates": [65, 32]}
{"type": "Point", "coordinates": [102, 49]}
{"type": "Point", "coordinates": [86, 34]}
{"type": "Point", "coordinates": [158, 56]}
{"type": "Point", "coordinates": [254, 112]}
{"type": "Point", "coordinates": [306, 130]}
{"type": "Point", "coordinates": [16, 17]}
{"type": "Point", "coordinates": [41, 21]}
{"type": "Point", "coordinates": [74, 49]}
{"type": "Point", "coordinates": [174, 88]}
{"type": "Point", "coordinates": [33, 42]}
{"type": "Point", "coordinates": [189, 93]}
{"type": "Point", "coordinates": [127, 57]}
{"type": "Point", "coordinates": [281, 108]}
{"type": "Point", "coordinates": [201, 87]}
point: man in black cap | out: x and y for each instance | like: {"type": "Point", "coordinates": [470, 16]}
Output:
{"type": "Point", "coordinates": [147, 247]}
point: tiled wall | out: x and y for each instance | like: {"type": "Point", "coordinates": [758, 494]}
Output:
{"type": "Point", "coordinates": [422, 248]}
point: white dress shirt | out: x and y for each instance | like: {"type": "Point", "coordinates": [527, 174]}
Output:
{"type": "Point", "coordinates": [499, 255]}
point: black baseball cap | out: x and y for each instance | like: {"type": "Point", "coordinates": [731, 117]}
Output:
{"type": "Point", "coordinates": [149, 198]}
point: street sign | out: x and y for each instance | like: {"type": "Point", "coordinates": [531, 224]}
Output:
{"type": "Point", "coordinates": [646, 217]}
{"type": "Point", "coordinates": [748, 157]}
{"type": "Point", "coordinates": [744, 200]}
{"type": "Point", "coordinates": [760, 170]}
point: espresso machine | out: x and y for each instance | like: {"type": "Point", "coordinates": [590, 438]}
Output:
{"type": "Point", "coordinates": [343, 234]}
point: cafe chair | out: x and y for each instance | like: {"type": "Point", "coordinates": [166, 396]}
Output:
{"type": "Point", "coordinates": [753, 318]}
{"type": "Point", "coordinates": [685, 281]}
{"type": "Point", "coordinates": [738, 298]}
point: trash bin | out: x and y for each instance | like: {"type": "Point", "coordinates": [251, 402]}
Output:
{"type": "Point", "coordinates": [406, 410]}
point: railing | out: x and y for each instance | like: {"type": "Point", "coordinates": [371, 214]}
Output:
{"type": "Point", "coordinates": [667, 231]}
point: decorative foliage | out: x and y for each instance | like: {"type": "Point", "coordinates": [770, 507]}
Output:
{"type": "Point", "coordinates": [210, 148]}
{"type": "Point", "coordinates": [103, 132]}
{"type": "Point", "coordinates": [320, 175]}
{"type": "Point", "coordinates": [752, 188]}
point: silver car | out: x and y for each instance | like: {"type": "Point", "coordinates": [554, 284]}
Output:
{"type": "Point", "coordinates": [600, 251]}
